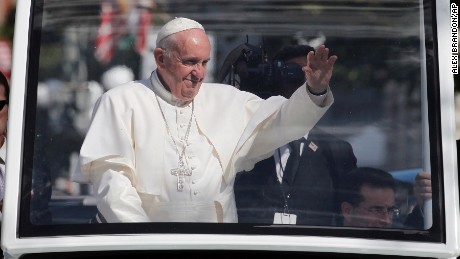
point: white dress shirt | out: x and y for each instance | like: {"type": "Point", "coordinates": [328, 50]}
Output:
{"type": "Point", "coordinates": [281, 157]}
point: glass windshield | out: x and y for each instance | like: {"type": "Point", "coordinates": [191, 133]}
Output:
{"type": "Point", "coordinates": [382, 85]}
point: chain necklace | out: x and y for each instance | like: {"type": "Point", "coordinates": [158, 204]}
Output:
{"type": "Point", "coordinates": [182, 170]}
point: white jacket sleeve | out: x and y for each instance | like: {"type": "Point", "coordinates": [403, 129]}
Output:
{"type": "Point", "coordinates": [107, 160]}
{"type": "Point", "coordinates": [290, 120]}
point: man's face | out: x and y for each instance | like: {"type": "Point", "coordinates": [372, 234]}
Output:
{"type": "Point", "coordinates": [183, 69]}
{"type": "Point", "coordinates": [289, 89]}
{"type": "Point", "coordinates": [376, 210]}
{"type": "Point", "coordinates": [301, 61]}
{"type": "Point", "coordinates": [3, 114]}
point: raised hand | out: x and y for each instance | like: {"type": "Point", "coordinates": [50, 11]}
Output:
{"type": "Point", "coordinates": [318, 70]}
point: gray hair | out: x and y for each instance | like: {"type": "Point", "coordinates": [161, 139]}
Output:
{"type": "Point", "coordinates": [168, 44]}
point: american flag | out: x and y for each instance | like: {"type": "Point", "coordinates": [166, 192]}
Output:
{"type": "Point", "coordinates": [144, 22]}
{"type": "Point", "coordinates": [105, 38]}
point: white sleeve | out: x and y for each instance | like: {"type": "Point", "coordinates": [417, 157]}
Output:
{"type": "Point", "coordinates": [319, 100]}
{"type": "Point", "coordinates": [107, 160]}
{"type": "Point", "coordinates": [277, 122]}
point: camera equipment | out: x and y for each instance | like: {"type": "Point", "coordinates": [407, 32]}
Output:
{"type": "Point", "coordinates": [248, 68]}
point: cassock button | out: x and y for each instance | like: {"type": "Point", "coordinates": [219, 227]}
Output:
{"type": "Point", "coordinates": [193, 167]}
{"type": "Point", "coordinates": [196, 192]}
{"type": "Point", "coordinates": [193, 182]}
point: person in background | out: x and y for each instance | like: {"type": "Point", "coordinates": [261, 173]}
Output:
{"type": "Point", "coordinates": [4, 100]}
{"type": "Point", "coordinates": [166, 149]}
{"type": "Point", "coordinates": [367, 198]}
{"type": "Point", "coordinates": [297, 184]}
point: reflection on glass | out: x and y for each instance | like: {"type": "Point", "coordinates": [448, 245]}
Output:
{"type": "Point", "coordinates": [88, 48]}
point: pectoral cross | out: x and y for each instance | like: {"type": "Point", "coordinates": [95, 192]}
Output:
{"type": "Point", "coordinates": [180, 172]}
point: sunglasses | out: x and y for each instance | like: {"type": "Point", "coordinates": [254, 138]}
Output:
{"type": "Point", "coordinates": [2, 104]}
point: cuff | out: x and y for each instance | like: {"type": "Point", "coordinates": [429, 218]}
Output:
{"type": "Point", "coordinates": [318, 99]}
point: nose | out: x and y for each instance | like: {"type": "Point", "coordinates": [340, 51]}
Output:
{"type": "Point", "coordinates": [386, 219]}
{"type": "Point", "coordinates": [199, 71]}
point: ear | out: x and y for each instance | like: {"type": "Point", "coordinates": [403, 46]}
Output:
{"type": "Point", "coordinates": [158, 53]}
{"type": "Point", "coordinates": [346, 209]}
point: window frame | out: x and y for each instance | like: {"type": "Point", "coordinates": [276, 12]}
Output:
{"type": "Point", "coordinates": [20, 239]}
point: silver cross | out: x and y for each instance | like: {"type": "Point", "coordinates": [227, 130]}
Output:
{"type": "Point", "coordinates": [181, 172]}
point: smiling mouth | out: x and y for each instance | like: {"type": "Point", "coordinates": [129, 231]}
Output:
{"type": "Point", "coordinates": [194, 81]}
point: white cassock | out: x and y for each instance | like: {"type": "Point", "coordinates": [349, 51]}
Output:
{"type": "Point", "coordinates": [129, 152]}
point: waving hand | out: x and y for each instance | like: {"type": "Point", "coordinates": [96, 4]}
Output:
{"type": "Point", "coordinates": [318, 70]}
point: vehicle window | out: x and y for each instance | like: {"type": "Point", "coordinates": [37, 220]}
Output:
{"type": "Point", "coordinates": [383, 83]}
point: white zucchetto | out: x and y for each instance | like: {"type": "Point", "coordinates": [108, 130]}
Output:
{"type": "Point", "coordinates": [176, 25]}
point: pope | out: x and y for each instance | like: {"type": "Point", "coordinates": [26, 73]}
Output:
{"type": "Point", "coordinates": [167, 148]}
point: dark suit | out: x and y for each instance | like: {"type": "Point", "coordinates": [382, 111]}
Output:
{"type": "Point", "coordinates": [308, 183]}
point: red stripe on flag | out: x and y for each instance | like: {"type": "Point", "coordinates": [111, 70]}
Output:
{"type": "Point", "coordinates": [144, 22]}
{"type": "Point", "coordinates": [104, 41]}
